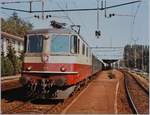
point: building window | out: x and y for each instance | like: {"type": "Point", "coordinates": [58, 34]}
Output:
{"type": "Point", "coordinates": [7, 42]}
{"type": "Point", "coordinates": [13, 43]}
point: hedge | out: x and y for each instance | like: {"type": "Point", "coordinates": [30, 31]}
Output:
{"type": "Point", "coordinates": [7, 67]}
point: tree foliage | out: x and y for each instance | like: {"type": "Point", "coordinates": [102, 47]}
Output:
{"type": "Point", "coordinates": [11, 55]}
{"type": "Point", "coordinates": [6, 67]}
{"type": "Point", "coordinates": [138, 54]}
{"type": "Point", "coordinates": [10, 64]}
{"type": "Point", "coordinates": [15, 25]}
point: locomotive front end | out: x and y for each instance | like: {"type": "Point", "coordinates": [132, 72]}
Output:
{"type": "Point", "coordinates": [48, 67]}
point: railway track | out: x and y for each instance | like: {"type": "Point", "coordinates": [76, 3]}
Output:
{"type": "Point", "coordinates": [137, 95]}
{"type": "Point", "coordinates": [33, 105]}
{"type": "Point", "coordinates": [18, 105]}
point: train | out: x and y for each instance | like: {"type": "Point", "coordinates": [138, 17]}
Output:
{"type": "Point", "coordinates": [56, 62]}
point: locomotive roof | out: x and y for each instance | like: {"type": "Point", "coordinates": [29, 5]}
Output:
{"type": "Point", "coordinates": [55, 30]}
{"type": "Point", "coordinates": [52, 30]}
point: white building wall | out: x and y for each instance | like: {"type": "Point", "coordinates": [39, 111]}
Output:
{"type": "Point", "coordinates": [16, 46]}
{"type": "Point", "coordinates": [5, 46]}
{"type": "Point", "coordinates": [21, 46]}
{"type": "Point", "coordinates": [4, 43]}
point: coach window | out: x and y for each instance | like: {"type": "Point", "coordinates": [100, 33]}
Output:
{"type": "Point", "coordinates": [83, 49]}
{"type": "Point", "coordinates": [74, 44]}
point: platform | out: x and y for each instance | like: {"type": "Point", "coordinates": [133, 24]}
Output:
{"type": "Point", "coordinates": [10, 82]}
{"type": "Point", "coordinates": [100, 97]}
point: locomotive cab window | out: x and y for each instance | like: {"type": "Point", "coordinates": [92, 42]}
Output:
{"type": "Point", "coordinates": [60, 44]}
{"type": "Point", "coordinates": [74, 44]}
{"type": "Point", "coordinates": [35, 43]}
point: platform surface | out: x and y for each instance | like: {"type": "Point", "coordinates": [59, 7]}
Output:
{"type": "Point", "coordinates": [100, 97]}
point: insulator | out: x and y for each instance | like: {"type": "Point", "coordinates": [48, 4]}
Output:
{"type": "Point", "coordinates": [113, 14]}
{"type": "Point", "coordinates": [110, 15]}
{"type": "Point", "coordinates": [97, 33]}
{"type": "Point", "coordinates": [35, 16]}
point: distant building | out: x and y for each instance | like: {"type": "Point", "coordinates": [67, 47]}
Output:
{"type": "Point", "coordinates": [6, 39]}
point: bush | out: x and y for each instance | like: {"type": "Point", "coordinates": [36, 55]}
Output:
{"type": "Point", "coordinates": [11, 64]}
{"type": "Point", "coordinates": [18, 65]}
{"type": "Point", "coordinates": [6, 67]}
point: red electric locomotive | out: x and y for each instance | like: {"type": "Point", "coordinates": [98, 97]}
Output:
{"type": "Point", "coordinates": [56, 60]}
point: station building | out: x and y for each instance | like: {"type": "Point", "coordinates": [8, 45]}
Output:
{"type": "Point", "coordinates": [15, 41]}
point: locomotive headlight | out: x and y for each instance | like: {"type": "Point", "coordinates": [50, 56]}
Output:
{"type": "Point", "coordinates": [29, 68]}
{"type": "Point", "coordinates": [63, 69]}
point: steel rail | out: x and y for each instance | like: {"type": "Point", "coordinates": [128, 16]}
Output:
{"type": "Point", "coordinates": [130, 100]}
{"type": "Point", "coordinates": [143, 88]}
{"type": "Point", "coordinates": [20, 105]}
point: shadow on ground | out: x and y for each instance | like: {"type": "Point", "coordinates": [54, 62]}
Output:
{"type": "Point", "coordinates": [19, 94]}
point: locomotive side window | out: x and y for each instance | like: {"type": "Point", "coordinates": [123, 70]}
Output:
{"type": "Point", "coordinates": [90, 53]}
{"type": "Point", "coordinates": [78, 46]}
{"type": "Point", "coordinates": [83, 49]}
{"type": "Point", "coordinates": [25, 43]}
{"type": "Point", "coordinates": [35, 43]}
{"type": "Point", "coordinates": [60, 44]}
{"type": "Point", "coordinates": [87, 51]}
{"type": "Point", "coordinates": [74, 44]}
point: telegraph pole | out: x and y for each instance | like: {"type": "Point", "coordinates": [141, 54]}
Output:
{"type": "Point", "coordinates": [98, 32]}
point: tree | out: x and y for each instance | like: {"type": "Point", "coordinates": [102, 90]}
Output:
{"type": "Point", "coordinates": [11, 64]}
{"type": "Point", "coordinates": [141, 54]}
{"type": "Point", "coordinates": [15, 25]}
{"type": "Point", "coordinates": [12, 57]}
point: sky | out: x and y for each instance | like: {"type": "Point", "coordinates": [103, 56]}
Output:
{"type": "Point", "coordinates": [116, 31]}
